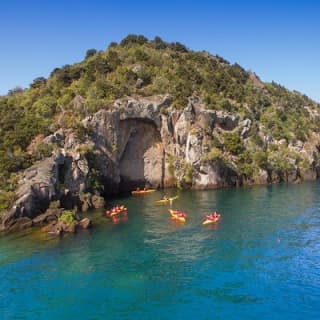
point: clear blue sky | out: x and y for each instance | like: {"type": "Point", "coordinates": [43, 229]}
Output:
{"type": "Point", "coordinates": [279, 40]}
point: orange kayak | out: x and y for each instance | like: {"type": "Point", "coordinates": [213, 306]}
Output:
{"type": "Point", "coordinates": [178, 215]}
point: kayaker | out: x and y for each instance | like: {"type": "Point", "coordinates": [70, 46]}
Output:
{"type": "Point", "coordinates": [216, 214]}
{"type": "Point", "coordinates": [181, 214]}
{"type": "Point", "coordinates": [165, 197]}
{"type": "Point", "coordinates": [138, 189]}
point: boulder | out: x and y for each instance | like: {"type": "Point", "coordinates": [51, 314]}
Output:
{"type": "Point", "coordinates": [46, 218]}
{"type": "Point", "coordinates": [59, 227]}
{"type": "Point", "coordinates": [85, 206]}
{"type": "Point", "coordinates": [245, 128]}
{"type": "Point", "coordinates": [97, 202]}
{"type": "Point", "coordinates": [67, 227]}
{"type": "Point", "coordinates": [139, 83]}
{"type": "Point", "coordinates": [85, 223]}
{"type": "Point", "coordinates": [55, 138]}
{"type": "Point", "coordinates": [89, 201]}
{"type": "Point", "coordinates": [52, 228]}
{"type": "Point", "coordinates": [207, 120]}
{"type": "Point", "coordinates": [20, 223]}
{"type": "Point", "coordinates": [227, 121]}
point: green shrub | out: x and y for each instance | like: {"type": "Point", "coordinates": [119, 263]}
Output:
{"type": "Point", "coordinates": [245, 165]}
{"type": "Point", "coordinates": [233, 143]}
{"type": "Point", "coordinates": [188, 176]}
{"type": "Point", "coordinates": [68, 217]}
{"type": "Point", "coordinates": [133, 39]}
{"type": "Point", "coordinates": [7, 199]}
{"type": "Point", "coordinates": [171, 165]}
{"type": "Point", "coordinates": [213, 154]}
{"type": "Point", "coordinates": [90, 53]}
{"type": "Point", "coordinates": [43, 150]}
{"type": "Point", "coordinates": [54, 204]}
{"type": "Point", "coordinates": [260, 158]}
{"type": "Point", "coordinates": [246, 169]}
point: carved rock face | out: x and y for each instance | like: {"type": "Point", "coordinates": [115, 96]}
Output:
{"type": "Point", "coordinates": [141, 158]}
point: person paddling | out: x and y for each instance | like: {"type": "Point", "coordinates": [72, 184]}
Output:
{"type": "Point", "coordinates": [213, 216]}
{"type": "Point", "coordinates": [216, 214]}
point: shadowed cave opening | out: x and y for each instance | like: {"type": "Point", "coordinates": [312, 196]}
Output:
{"type": "Point", "coordinates": [142, 156]}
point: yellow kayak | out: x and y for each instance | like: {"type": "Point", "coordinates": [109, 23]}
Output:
{"type": "Point", "coordinates": [177, 215]}
{"type": "Point", "coordinates": [142, 192]}
{"type": "Point", "coordinates": [164, 201]}
{"type": "Point", "coordinates": [209, 221]}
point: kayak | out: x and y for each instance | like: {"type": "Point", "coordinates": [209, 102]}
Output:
{"type": "Point", "coordinates": [177, 215]}
{"type": "Point", "coordinates": [209, 220]}
{"type": "Point", "coordinates": [142, 192]}
{"type": "Point", "coordinates": [164, 201]}
{"type": "Point", "coordinates": [116, 211]}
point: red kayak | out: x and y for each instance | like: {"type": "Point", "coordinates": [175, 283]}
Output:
{"type": "Point", "coordinates": [116, 211]}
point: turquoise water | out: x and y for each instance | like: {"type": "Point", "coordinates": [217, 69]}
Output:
{"type": "Point", "coordinates": [261, 260]}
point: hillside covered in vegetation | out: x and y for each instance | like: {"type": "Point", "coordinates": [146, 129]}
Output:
{"type": "Point", "coordinates": [279, 131]}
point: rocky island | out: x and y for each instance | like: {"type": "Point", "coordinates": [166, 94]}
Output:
{"type": "Point", "coordinates": [146, 113]}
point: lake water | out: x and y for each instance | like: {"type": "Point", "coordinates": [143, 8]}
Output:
{"type": "Point", "coordinates": [260, 261]}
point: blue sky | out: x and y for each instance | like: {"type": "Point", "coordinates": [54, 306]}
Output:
{"type": "Point", "coordinates": [279, 40]}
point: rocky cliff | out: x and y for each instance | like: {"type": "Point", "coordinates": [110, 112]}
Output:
{"type": "Point", "coordinates": [146, 142]}
{"type": "Point", "coordinates": [147, 113]}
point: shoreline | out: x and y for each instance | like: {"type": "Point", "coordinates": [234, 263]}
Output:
{"type": "Point", "coordinates": [126, 195]}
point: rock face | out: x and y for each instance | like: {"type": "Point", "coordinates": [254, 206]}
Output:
{"type": "Point", "coordinates": [135, 143]}
{"type": "Point", "coordinates": [49, 216]}
{"type": "Point", "coordinates": [36, 190]}
{"type": "Point", "coordinates": [215, 175]}
{"type": "Point", "coordinates": [88, 201]}
{"type": "Point", "coordinates": [19, 224]}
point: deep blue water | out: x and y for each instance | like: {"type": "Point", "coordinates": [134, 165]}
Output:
{"type": "Point", "coordinates": [261, 261]}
